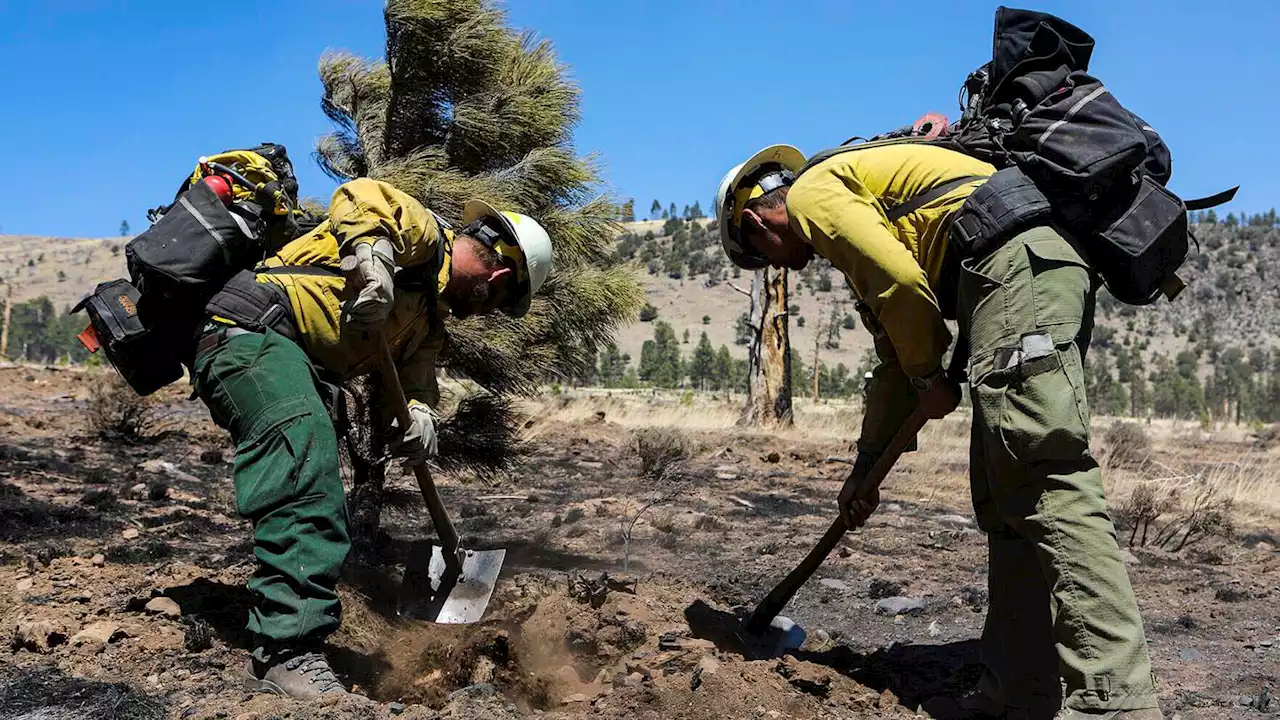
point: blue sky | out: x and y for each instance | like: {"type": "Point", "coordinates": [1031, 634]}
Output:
{"type": "Point", "coordinates": [106, 105]}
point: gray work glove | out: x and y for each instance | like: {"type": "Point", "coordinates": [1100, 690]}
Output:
{"type": "Point", "coordinates": [418, 443]}
{"type": "Point", "coordinates": [376, 268]}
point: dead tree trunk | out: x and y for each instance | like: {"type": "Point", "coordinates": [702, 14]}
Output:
{"type": "Point", "coordinates": [768, 356]}
{"type": "Point", "coordinates": [8, 316]}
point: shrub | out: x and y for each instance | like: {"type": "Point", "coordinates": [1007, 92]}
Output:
{"type": "Point", "coordinates": [648, 312]}
{"type": "Point", "coordinates": [1127, 444]}
{"type": "Point", "coordinates": [660, 447]}
{"type": "Point", "coordinates": [118, 414]}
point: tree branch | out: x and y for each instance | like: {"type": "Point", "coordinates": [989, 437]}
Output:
{"type": "Point", "coordinates": [735, 287]}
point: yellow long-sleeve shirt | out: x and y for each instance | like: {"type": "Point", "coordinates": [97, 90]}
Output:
{"type": "Point", "coordinates": [839, 206]}
{"type": "Point", "coordinates": [361, 211]}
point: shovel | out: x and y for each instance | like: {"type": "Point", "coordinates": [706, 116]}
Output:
{"type": "Point", "coordinates": [452, 585]}
{"type": "Point", "coordinates": [766, 633]}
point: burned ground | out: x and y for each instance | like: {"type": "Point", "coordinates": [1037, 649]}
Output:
{"type": "Point", "coordinates": [124, 568]}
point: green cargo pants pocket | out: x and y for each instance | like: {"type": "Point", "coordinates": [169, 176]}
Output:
{"type": "Point", "coordinates": [1060, 282]}
{"type": "Point", "coordinates": [267, 463]}
{"type": "Point", "coordinates": [1038, 408]}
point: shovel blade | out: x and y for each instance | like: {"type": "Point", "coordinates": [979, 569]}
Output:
{"type": "Point", "coordinates": [434, 592]}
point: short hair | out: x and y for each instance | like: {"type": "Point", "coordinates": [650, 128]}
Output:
{"type": "Point", "coordinates": [490, 257]}
{"type": "Point", "coordinates": [772, 199]}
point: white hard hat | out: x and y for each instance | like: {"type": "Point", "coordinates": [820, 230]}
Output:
{"type": "Point", "coordinates": [535, 249]}
{"type": "Point", "coordinates": [729, 214]}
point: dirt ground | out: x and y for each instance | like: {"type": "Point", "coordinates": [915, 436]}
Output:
{"type": "Point", "coordinates": [123, 568]}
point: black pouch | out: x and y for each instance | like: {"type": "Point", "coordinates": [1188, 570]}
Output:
{"type": "Point", "coordinates": [1137, 254]}
{"type": "Point", "coordinates": [1005, 205]}
{"type": "Point", "coordinates": [138, 353]}
{"type": "Point", "coordinates": [1079, 143]}
{"type": "Point", "coordinates": [193, 249]}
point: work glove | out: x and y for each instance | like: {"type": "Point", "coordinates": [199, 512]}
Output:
{"type": "Point", "coordinates": [860, 495]}
{"type": "Point", "coordinates": [374, 271]}
{"type": "Point", "coordinates": [418, 443]}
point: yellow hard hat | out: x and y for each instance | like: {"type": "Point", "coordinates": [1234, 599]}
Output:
{"type": "Point", "coordinates": [764, 172]}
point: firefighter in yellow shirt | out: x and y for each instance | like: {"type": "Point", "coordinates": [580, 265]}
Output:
{"type": "Point", "coordinates": [257, 366]}
{"type": "Point", "coordinates": [1062, 614]}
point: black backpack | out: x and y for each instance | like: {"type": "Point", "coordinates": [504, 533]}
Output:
{"type": "Point", "coordinates": [196, 245]}
{"type": "Point", "coordinates": [1067, 153]}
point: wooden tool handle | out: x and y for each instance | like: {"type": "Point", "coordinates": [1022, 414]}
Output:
{"type": "Point", "coordinates": [778, 598]}
{"type": "Point", "coordinates": [395, 392]}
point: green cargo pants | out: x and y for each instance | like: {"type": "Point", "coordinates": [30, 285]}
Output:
{"type": "Point", "coordinates": [1063, 619]}
{"type": "Point", "coordinates": [262, 388]}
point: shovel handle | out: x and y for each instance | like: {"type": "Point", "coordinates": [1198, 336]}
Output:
{"type": "Point", "coordinates": [778, 598]}
{"type": "Point", "coordinates": [426, 485]}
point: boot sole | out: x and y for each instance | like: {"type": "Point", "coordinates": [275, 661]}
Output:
{"type": "Point", "coordinates": [253, 684]}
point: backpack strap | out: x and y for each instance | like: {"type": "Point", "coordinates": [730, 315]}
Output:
{"type": "Point", "coordinates": [1215, 200]}
{"type": "Point", "coordinates": [924, 198]}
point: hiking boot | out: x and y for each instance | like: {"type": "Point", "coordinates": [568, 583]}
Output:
{"type": "Point", "coordinates": [299, 675]}
{"type": "Point", "coordinates": [1143, 714]}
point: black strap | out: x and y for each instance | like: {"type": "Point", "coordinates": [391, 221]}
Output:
{"type": "Point", "coordinates": [928, 196]}
{"type": "Point", "coordinates": [319, 270]}
{"type": "Point", "coordinates": [1205, 203]}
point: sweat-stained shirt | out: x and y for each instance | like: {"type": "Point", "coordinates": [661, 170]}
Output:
{"type": "Point", "coordinates": [839, 207]}
{"type": "Point", "coordinates": [361, 211]}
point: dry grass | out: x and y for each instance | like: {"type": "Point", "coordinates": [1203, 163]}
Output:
{"type": "Point", "coordinates": [1226, 458]}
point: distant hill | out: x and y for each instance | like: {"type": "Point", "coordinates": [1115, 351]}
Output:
{"type": "Point", "coordinates": [1233, 298]}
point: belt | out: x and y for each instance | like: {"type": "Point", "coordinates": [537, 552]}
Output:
{"type": "Point", "coordinates": [211, 340]}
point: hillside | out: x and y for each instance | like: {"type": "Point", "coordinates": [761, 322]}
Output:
{"type": "Point", "coordinates": [1233, 298]}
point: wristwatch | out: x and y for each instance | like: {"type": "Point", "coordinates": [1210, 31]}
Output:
{"type": "Point", "coordinates": [927, 382]}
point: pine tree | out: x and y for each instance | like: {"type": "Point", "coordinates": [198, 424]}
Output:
{"type": "Point", "coordinates": [628, 213]}
{"type": "Point", "coordinates": [465, 107]}
{"type": "Point", "coordinates": [696, 211]}
{"type": "Point", "coordinates": [655, 210]}
{"type": "Point", "coordinates": [124, 228]}
{"type": "Point", "coordinates": [724, 369]}
{"type": "Point", "coordinates": [702, 367]}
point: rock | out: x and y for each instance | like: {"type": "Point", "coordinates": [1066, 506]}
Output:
{"type": "Point", "coordinates": [96, 636]}
{"type": "Point", "coordinates": [1190, 655]}
{"type": "Point", "coordinates": [39, 636]}
{"type": "Point", "coordinates": [954, 519]}
{"type": "Point", "coordinates": [773, 457]}
{"type": "Point", "coordinates": [834, 584]}
{"type": "Point", "coordinates": [211, 456]}
{"type": "Point", "coordinates": [603, 677]}
{"type": "Point", "coordinates": [567, 675]}
{"type": "Point", "coordinates": [899, 606]}
{"type": "Point", "coordinates": [893, 508]}
{"type": "Point", "coordinates": [726, 476]}
{"type": "Point", "coordinates": [163, 606]}
{"type": "Point", "coordinates": [642, 670]}
{"type": "Point", "coordinates": [574, 698]}
{"type": "Point", "coordinates": [24, 584]}
{"type": "Point", "coordinates": [1246, 700]}
{"type": "Point", "coordinates": [138, 490]}
{"type": "Point", "coordinates": [934, 630]}
{"type": "Point", "coordinates": [1266, 643]}
{"type": "Point", "coordinates": [590, 464]}
{"type": "Point", "coordinates": [1129, 558]}
{"type": "Point", "coordinates": [99, 560]}
{"type": "Point", "coordinates": [484, 671]}
{"type": "Point", "coordinates": [395, 708]}
{"type": "Point", "coordinates": [817, 641]}
{"type": "Point", "coordinates": [633, 680]}
{"type": "Point", "coordinates": [130, 533]}
{"type": "Point", "coordinates": [153, 679]}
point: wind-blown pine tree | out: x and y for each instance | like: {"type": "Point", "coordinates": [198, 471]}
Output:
{"type": "Point", "coordinates": [465, 107]}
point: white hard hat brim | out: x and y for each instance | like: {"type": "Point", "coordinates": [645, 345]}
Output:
{"type": "Point", "coordinates": [476, 209]}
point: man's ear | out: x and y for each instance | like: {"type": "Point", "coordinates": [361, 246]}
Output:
{"type": "Point", "coordinates": [750, 220]}
{"type": "Point", "coordinates": [499, 275]}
